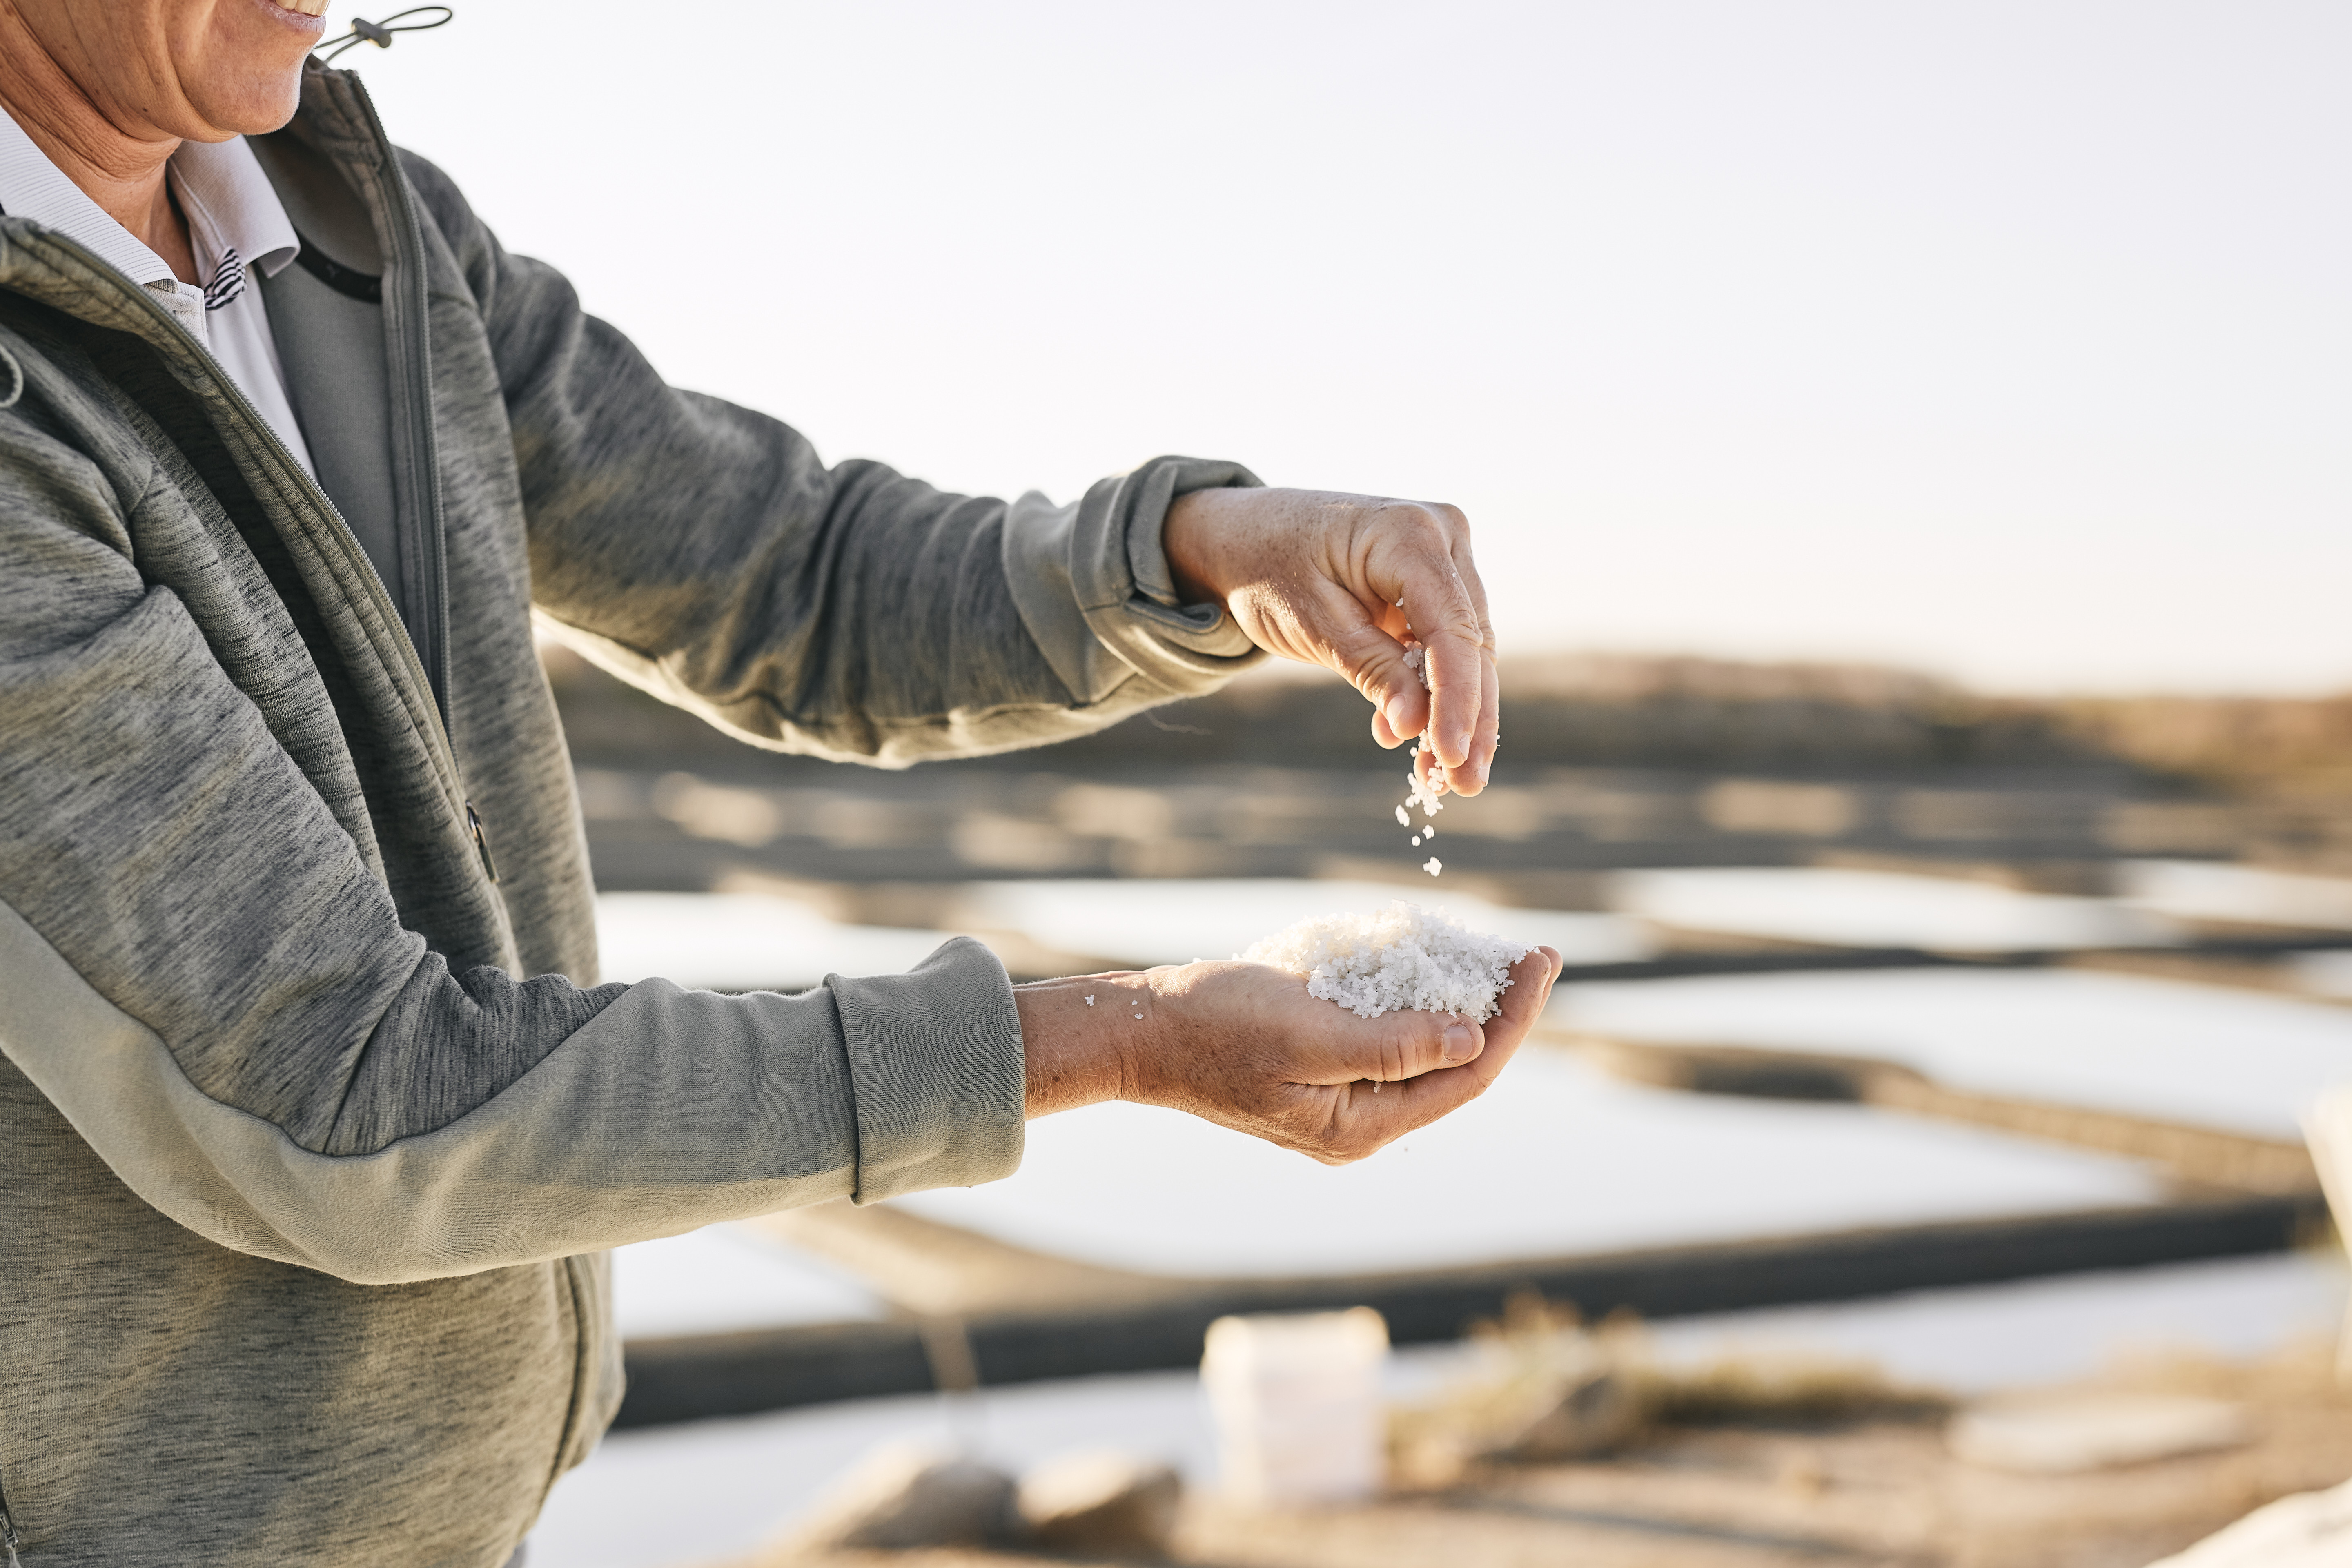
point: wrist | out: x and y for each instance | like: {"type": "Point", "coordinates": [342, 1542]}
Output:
{"type": "Point", "coordinates": [1186, 537]}
{"type": "Point", "coordinates": [1081, 1037]}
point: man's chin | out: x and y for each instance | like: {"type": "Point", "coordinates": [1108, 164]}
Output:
{"type": "Point", "coordinates": [253, 106]}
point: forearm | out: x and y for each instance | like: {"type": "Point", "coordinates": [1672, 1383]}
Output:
{"type": "Point", "coordinates": [669, 1110]}
{"type": "Point", "coordinates": [706, 553]}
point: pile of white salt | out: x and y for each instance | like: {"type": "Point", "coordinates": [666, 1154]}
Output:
{"type": "Point", "coordinates": [1404, 959]}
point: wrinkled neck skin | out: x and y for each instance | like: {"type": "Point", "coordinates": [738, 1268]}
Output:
{"type": "Point", "coordinates": [120, 170]}
{"type": "Point", "coordinates": [110, 88]}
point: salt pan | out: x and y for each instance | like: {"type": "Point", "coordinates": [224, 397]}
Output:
{"type": "Point", "coordinates": [1404, 959]}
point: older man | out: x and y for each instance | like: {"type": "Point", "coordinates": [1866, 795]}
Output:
{"type": "Point", "coordinates": [313, 1121]}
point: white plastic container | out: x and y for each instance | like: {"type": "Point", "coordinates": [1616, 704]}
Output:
{"type": "Point", "coordinates": [1297, 1404]}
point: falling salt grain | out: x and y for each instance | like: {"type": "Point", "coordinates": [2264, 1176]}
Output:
{"type": "Point", "coordinates": [1404, 959]}
{"type": "Point", "coordinates": [1416, 841]}
{"type": "Point", "coordinates": [1432, 866]}
{"type": "Point", "coordinates": [1404, 818]}
{"type": "Point", "coordinates": [1422, 792]}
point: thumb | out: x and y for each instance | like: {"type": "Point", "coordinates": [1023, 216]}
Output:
{"type": "Point", "coordinates": [1412, 1044]}
{"type": "Point", "coordinates": [1374, 663]}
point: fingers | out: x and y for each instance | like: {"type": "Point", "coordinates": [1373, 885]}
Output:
{"type": "Point", "coordinates": [1532, 979]}
{"type": "Point", "coordinates": [1374, 663]}
{"type": "Point", "coordinates": [1404, 1046]}
{"type": "Point", "coordinates": [1446, 604]}
{"type": "Point", "coordinates": [1365, 1122]}
{"type": "Point", "coordinates": [1335, 580]}
{"type": "Point", "coordinates": [1461, 663]}
{"type": "Point", "coordinates": [1488, 732]}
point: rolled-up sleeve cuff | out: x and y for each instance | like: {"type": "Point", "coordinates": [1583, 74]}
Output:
{"type": "Point", "coordinates": [1093, 585]}
{"type": "Point", "coordinates": [937, 1069]}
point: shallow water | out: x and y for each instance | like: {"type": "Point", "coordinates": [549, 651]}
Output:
{"type": "Point", "coordinates": [1882, 908]}
{"type": "Point", "coordinates": [739, 940]}
{"type": "Point", "coordinates": [2238, 1060]}
{"type": "Point", "coordinates": [716, 1281]}
{"type": "Point", "coordinates": [2204, 889]}
{"type": "Point", "coordinates": [1557, 1159]}
{"type": "Point", "coordinates": [1147, 921]}
{"type": "Point", "coordinates": [753, 941]}
{"type": "Point", "coordinates": [2324, 973]}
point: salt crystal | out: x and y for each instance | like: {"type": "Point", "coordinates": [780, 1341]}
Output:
{"type": "Point", "coordinates": [1416, 841]}
{"type": "Point", "coordinates": [1425, 793]}
{"type": "Point", "coordinates": [1429, 830]}
{"type": "Point", "coordinates": [1090, 1001]}
{"type": "Point", "coordinates": [1405, 958]}
{"type": "Point", "coordinates": [1432, 866]}
{"type": "Point", "coordinates": [1403, 819]}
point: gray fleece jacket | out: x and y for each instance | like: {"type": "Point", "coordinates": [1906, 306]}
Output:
{"type": "Point", "coordinates": [313, 1119]}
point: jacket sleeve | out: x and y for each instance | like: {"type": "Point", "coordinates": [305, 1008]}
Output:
{"type": "Point", "coordinates": [201, 972]}
{"type": "Point", "coordinates": [704, 552]}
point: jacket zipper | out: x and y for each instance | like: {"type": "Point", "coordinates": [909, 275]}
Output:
{"type": "Point", "coordinates": [481, 841]}
{"type": "Point", "coordinates": [437, 729]}
{"type": "Point", "coordinates": [8, 1531]}
{"type": "Point", "coordinates": [407, 255]}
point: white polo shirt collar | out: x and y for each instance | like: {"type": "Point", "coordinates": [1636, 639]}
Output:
{"type": "Point", "coordinates": [234, 222]}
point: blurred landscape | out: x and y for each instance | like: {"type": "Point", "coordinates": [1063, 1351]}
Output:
{"type": "Point", "coordinates": [1608, 762]}
{"type": "Point", "coordinates": [1953, 1040]}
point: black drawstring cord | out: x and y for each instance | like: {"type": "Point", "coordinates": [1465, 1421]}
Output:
{"type": "Point", "coordinates": [380, 33]}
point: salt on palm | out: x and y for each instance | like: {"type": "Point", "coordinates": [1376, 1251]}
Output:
{"type": "Point", "coordinates": [1404, 959]}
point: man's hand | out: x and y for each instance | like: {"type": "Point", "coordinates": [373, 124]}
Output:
{"type": "Point", "coordinates": [1245, 1047]}
{"type": "Point", "coordinates": [1318, 577]}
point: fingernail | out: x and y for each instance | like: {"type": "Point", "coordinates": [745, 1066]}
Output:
{"type": "Point", "coordinates": [1460, 1042]}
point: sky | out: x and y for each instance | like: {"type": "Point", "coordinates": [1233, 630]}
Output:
{"type": "Point", "coordinates": [2006, 341]}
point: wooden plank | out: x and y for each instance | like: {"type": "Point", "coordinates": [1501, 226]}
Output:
{"type": "Point", "coordinates": [1794, 960]}
{"type": "Point", "coordinates": [725, 1374]}
{"type": "Point", "coordinates": [2233, 1160]}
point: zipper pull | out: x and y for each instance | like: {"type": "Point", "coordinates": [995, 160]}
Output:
{"type": "Point", "coordinates": [481, 848]}
{"type": "Point", "coordinates": [8, 1532]}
